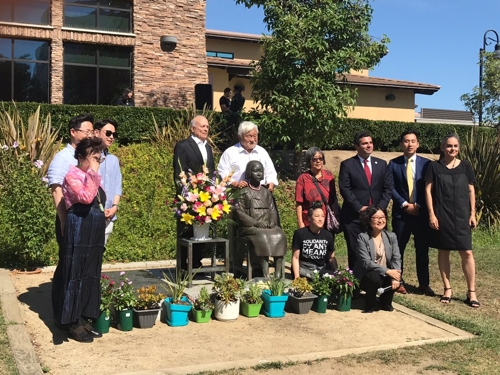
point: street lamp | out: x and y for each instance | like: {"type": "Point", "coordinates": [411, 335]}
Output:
{"type": "Point", "coordinates": [486, 42]}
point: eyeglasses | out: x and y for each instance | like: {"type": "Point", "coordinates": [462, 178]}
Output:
{"type": "Point", "coordinates": [109, 133]}
{"type": "Point", "coordinates": [379, 218]}
{"type": "Point", "coordinates": [86, 132]}
{"type": "Point", "coordinates": [317, 159]}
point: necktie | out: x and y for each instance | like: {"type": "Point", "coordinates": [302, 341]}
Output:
{"type": "Point", "coordinates": [409, 177]}
{"type": "Point", "coordinates": [368, 172]}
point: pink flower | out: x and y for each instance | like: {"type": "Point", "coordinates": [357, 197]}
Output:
{"type": "Point", "coordinates": [122, 273]}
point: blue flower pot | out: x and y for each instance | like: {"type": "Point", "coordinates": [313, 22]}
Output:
{"type": "Point", "coordinates": [177, 314]}
{"type": "Point", "coordinates": [274, 306]}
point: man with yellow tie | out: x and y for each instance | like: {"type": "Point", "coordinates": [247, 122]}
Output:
{"type": "Point", "coordinates": [409, 211]}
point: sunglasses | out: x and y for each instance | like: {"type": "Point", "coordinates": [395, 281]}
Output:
{"type": "Point", "coordinates": [109, 133]}
{"type": "Point", "coordinates": [317, 159]}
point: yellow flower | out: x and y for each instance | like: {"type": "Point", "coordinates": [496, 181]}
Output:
{"type": "Point", "coordinates": [187, 218]}
{"type": "Point", "coordinates": [227, 207]}
{"type": "Point", "coordinates": [202, 210]}
{"type": "Point", "coordinates": [204, 196]}
{"type": "Point", "coordinates": [215, 213]}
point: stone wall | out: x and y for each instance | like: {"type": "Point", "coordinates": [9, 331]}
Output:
{"type": "Point", "coordinates": [159, 78]}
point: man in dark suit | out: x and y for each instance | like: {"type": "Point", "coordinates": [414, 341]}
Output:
{"type": "Point", "coordinates": [190, 155]}
{"type": "Point", "coordinates": [363, 181]}
{"type": "Point", "coordinates": [409, 210]}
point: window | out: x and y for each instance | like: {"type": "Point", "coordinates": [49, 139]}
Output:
{"type": "Point", "coordinates": [222, 55]}
{"type": "Point", "coordinates": [95, 74]}
{"type": "Point", "coordinates": [109, 15]}
{"type": "Point", "coordinates": [24, 70]}
{"type": "Point", "coordinates": [36, 12]}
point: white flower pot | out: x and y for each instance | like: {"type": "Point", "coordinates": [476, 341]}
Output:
{"type": "Point", "coordinates": [227, 313]}
{"type": "Point", "coordinates": [200, 232]}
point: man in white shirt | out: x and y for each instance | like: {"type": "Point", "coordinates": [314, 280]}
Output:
{"type": "Point", "coordinates": [236, 157]}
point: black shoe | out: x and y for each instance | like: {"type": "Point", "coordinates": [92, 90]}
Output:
{"type": "Point", "coordinates": [387, 308]}
{"type": "Point", "coordinates": [91, 331]}
{"type": "Point", "coordinates": [80, 334]}
{"type": "Point", "coordinates": [62, 327]}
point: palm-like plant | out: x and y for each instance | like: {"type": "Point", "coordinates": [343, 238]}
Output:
{"type": "Point", "coordinates": [482, 150]}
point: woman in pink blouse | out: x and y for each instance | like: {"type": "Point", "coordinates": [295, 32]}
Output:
{"type": "Point", "coordinates": [76, 283]}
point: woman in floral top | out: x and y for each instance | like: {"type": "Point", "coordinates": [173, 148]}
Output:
{"type": "Point", "coordinates": [76, 284]}
{"type": "Point", "coordinates": [306, 191]}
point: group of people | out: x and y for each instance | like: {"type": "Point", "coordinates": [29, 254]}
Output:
{"type": "Point", "coordinates": [86, 185]}
{"type": "Point", "coordinates": [232, 101]}
{"type": "Point", "coordinates": [434, 201]}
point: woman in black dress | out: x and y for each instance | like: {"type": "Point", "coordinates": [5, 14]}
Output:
{"type": "Point", "coordinates": [77, 290]}
{"type": "Point", "coordinates": [451, 202]}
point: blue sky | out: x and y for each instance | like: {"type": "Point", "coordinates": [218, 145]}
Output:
{"type": "Point", "coordinates": [432, 41]}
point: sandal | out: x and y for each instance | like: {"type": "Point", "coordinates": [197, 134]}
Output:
{"type": "Point", "coordinates": [446, 300]}
{"type": "Point", "coordinates": [474, 302]}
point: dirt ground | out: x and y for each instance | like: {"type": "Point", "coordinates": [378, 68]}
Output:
{"type": "Point", "coordinates": [216, 345]}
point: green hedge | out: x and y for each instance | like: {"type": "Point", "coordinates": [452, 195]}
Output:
{"type": "Point", "coordinates": [136, 123]}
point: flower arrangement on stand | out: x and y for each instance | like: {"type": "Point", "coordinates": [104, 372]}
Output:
{"type": "Point", "coordinates": [345, 283]}
{"type": "Point", "coordinates": [203, 200]}
{"type": "Point", "coordinates": [123, 302]}
{"type": "Point", "coordinates": [322, 285]}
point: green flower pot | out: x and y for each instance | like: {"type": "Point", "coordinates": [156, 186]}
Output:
{"type": "Point", "coordinates": [250, 310]}
{"type": "Point", "coordinates": [344, 303]}
{"type": "Point", "coordinates": [103, 323]}
{"type": "Point", "coordinates": [125, 320]}
{"type": "Point", "coordinates": [321, 304]}
{"type": "Point", "coordinates": [200, 316]}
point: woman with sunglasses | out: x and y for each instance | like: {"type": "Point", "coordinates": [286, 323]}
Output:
{"type": "Point", "coordinates": [78, 291]}
{"type": "Point", "coordinates": [315, 185]}
{"type": "Point", "coordinates": [379, 261]}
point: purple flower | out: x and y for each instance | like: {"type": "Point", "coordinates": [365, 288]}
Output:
{"type": "Point", "coordinates": [38, 164]}
{"type": "Point", "coordinates": [129, 283]}
{"type": "Point", "coordinates": [122, 273]}
{"type": "Point", "coordinates": [15, 145]}
{"type": "Point", "coordinates": [45, 179]}
{"type": "Point", "coordinates": [122, 283]}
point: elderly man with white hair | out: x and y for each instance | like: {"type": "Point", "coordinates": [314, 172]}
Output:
{"type": "Point", "coordinates": [236, 157]}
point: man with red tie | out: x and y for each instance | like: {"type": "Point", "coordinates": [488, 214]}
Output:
{"type": "Point", "coordinates": [409, 210]}
{"type": "Point", "coordinates": [363, 181]}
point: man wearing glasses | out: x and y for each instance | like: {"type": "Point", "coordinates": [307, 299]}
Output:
{"type": "Point", "coordinates": [80, 127]}
{"type": "Point", "coordinates": [110, 172]}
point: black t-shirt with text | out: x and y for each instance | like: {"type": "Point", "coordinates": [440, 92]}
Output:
{"type": "Point", "coordinates": [313, 246]}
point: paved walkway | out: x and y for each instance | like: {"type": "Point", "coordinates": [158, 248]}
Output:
{"type": "Point", "coordinates": [200, 347]}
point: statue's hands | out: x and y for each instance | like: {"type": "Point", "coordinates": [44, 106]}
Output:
{"type": "Point", "coordinates": [271, 225]}
{"type": "Point", "coordinates": [260, 225]}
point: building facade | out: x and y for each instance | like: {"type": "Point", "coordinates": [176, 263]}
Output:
{"type": "Point", "coordinates": [89, 51]}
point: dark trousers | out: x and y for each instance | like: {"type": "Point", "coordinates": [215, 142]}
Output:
{"type": "Point", "coordinates": [351, 233]}
{"type": "Point", "coordinates": [370, 282]}
{"type": "Point", "coordinates": [403, 226]}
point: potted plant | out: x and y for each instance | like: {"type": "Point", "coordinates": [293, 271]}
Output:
{"type": "Point", "coordinates": [202, 306]}
{"type": "Point", "coordinates": [275, 298]}
{"type": "Point", "coordinates": [344, 283]}
{"type": "Point", "coordinates": [103, 323]}
{"type": "Point", "coordinates": [203, 200]}
{"type": "Point", "coordinates": [300, 297]}
{"type": "Point", "coordinates": [177, 306]}
{"type": "Point", "coordinates": [323, 287]}
{"type": "Point", "coordinates": [251, 301]}
{"type": "Point", "coordinates": [147, 306]}
{"type": "Point", "coordinates": [227, 290]}
{"type": "Point", "coordinates": [123, 302]}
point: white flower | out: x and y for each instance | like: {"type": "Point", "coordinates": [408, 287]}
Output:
{"type": "Point", "coordinates": [38, 164]}
{"type": "Point", "coordinates": [15, 145]}
{"type": "Point", "coordinates": [5, 147]}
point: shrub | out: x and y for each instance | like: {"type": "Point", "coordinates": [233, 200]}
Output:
{"type": "Point", "coordinates": [26, 212]}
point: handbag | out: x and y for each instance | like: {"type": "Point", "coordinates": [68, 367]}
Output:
{"type": "Point", "coordinates": [332, 223]}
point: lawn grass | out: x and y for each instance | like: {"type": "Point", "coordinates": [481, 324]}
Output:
{"type": "Point", "coordinates": [7, 363]}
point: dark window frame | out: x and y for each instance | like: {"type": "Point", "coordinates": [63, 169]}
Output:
{"type": "Point", "coordinates": [98, 66]}
{"type": "Point", "coordinates": [98, 7]}
{"type": "Point", "coordinates": [220, 54]}
{"type": "Point", "coordinates": [13, 60]}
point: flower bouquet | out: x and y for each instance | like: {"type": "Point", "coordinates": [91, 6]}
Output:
{"type": "Point", "coordinates": [124, 296]}
{"type": "Point", "coordinates": [203, 199]}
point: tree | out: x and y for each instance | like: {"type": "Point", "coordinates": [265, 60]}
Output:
{"type": "Point", "coordinates": [489, 97]}
{"type": "Point", "coordinates": [300, 80]}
